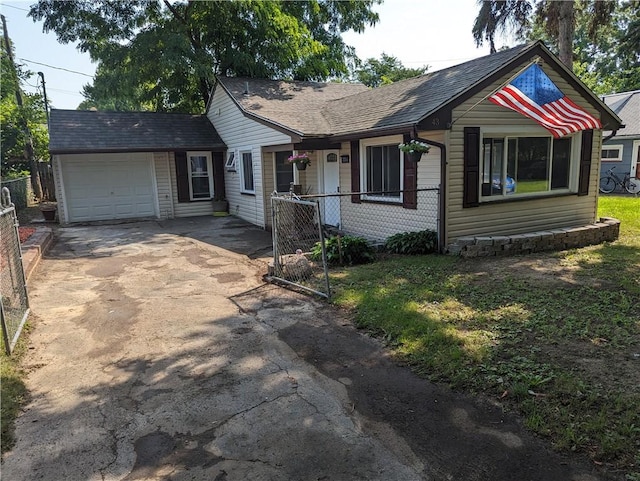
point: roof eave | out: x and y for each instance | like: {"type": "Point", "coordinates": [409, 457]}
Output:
{"type": "Point", "coordinates": [295, 134]}
{"type": "Point", "coordinates": [119, 150]}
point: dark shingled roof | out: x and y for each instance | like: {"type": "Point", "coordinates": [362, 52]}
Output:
{"type": "Point", "coordinates": [296, 106]}
{"type": "Point", "coordinates": [311, 109]}
{"type": "Point", "coordinates": [626, 105]}
{"type": "Point", "coordinates": [79, 131]}
{"type": "Point", "coordinates": [408, 101]}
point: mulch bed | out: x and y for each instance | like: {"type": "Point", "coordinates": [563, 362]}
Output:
{"type": "Point", "coordinates": [25, 233]}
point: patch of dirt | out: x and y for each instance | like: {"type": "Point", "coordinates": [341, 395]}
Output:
{"type": "Point", "coordinates": [615, 369]}
{"type": "Point", "coordinates": [547, 268]}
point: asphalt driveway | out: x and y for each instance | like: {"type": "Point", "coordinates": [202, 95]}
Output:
{"type": "Point", "coordinates": [158, 353]}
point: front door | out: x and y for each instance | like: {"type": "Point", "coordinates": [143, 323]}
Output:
{"type": "Point", "coordinates": [331, 185]}
{"type": "Point", "coordinates": [635, 165]}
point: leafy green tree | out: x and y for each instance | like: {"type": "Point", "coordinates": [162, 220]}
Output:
{"type": "Point", "coordinates": [163, 55]}
{"type": "Point", "coordinates": [388, 69]}
{"type": "Point", "coordinates": [599, 40]}
{"type": "Point", "coordinates": [13, 138]}
{"type": "Point", "coordinates": [612, 62]}
{"type": "Point", "coordinates": [556, 19]}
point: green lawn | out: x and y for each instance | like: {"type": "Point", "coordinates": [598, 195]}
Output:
{"type": "Point", "coordinates": [555, 337]}
{"type": "Point", "coordinates": [12, 389]}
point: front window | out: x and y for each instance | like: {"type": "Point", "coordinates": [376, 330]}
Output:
{"type": "Point", "coordinates": [200, 175]}
{"type": "Point", "coordinates": [525, 165]}
{"type": "Point", "coordinates": [284, 171]}
{"type": "Point", "coordinates": [382, 172]}
{"type": "Point", "coordinates": [246, 172]}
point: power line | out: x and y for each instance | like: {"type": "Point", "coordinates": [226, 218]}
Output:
{"type": "Point", "coordinates": [17, 8]}
{"type": "Point", "coordinates": [57, 68]}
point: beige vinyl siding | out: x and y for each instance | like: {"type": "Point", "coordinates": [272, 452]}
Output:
{"type": "Point", "coordinates": [378, 221]}
{"type": "Point", "coordinates": [522, 215]}
{"type": "Point", "coordinates": [239, 132]}
{"type": "Point", "coordinates": [308, 179]}
{"type": "Point", "coordinates": [185, 209]}
{"type": "Point", "coordinates": [163, 182]}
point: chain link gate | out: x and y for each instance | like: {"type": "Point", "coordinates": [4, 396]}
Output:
{"type": "Point", "coordinates": [14, 302]}
{"type": "Point", "coordinates": [299, 256]}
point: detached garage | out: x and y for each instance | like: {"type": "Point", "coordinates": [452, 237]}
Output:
{"type": "Point", "coordinates": [134, 165]}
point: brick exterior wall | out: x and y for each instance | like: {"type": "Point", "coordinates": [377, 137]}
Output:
{"type": "Point", "coordinates": [606, 230]}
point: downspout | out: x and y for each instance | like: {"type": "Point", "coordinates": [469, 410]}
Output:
{"type": "Point", "coordinates": [613, 134]}
{"type": "Point", "coordinates": [442, 225]}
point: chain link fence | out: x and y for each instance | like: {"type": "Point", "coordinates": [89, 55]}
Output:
{"type": "Point", "coordinates": [302, 223]}
{"type": "Point", "coordinates": [299, 256]}
{"type": "Point", "coordinates": [20, 190]}
{"type": "Point", "coordinates": [376, 216]}
{"type": "Point", "coordinates": [14, 303]}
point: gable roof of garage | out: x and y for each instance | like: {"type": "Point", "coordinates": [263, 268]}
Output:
{"type": "Point", "coordinates": [84, 131]}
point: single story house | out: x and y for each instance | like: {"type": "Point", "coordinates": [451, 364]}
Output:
{"type": "Point", "coordinates": [622, 149]}
{"type": "Point", "coordinates": [351, 133]}
{"type": "Point", "coordinates": [134, 165]}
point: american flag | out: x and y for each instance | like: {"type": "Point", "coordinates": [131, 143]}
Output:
{"type": "Point", "coordinates": [534, 95]}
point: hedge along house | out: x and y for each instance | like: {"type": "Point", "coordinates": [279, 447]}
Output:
{"type": "Point", "coordinates": [500, 173]}
{"type": "Point", "coordinates": [621, 149]}
{"type": "Point", "coordinates": [134, 165]}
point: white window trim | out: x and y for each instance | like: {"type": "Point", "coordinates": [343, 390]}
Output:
{"type": "Point", "coordinates": [209, 174]}
{"type": "Point", "coordinates": [620, 147]}
{"type": "Point", "coordinates": [240, 166]}
{"type": "Point", "coordinates": [377, 141]}
{"type": "Point", "coordinates": [516, 131]}
{"type": "Point", "coordinates": [230, 164]}
{"type": "Point", "coordinates": [295, 172]}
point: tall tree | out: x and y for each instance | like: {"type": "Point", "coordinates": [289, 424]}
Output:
{"type": "Point", "coordinates": [163, 55]}
{"type": "Point", "coordinates": [388, 69]}
{"type": "Point", "coordinates": [23, 123]}
{"type": "Point", "coordinates": [557, 19]}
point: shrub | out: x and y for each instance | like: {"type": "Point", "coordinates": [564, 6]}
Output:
{"type": "Point", "coordinates": [413, 243]}
{"type": "Point", "coordinates": [345, 250]}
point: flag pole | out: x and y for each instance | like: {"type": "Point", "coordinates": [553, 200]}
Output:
{"type": "Point", "coordinates": [536, 59]}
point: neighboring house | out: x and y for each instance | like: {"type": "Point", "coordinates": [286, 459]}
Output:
{"type": "Point", "coordinates": [263, 122]}
{"type": "Point", "coordinates": [622, 151]}
{"type": "Point", "coordinates": [134, 165]}
{"type": "Point", "coordinates": [498, 172]}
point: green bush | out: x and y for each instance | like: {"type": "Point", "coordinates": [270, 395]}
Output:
{"type": "Point", "coordinates": [413, 243]}
{"type": "Point", "coordinates": [345, 250]}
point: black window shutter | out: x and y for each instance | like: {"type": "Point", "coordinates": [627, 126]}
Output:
{"type": "Point", "coordinates": [355, 171]}
{"type": "Point", "coordinates": [218, 175]}
{"type": "Point", "coordinates": [585, 162]}
{"type": "Point", "coordinates": [182, 177]}
{"type": "Point", "coordinates": [471, 167]}
{"type": "Point", "coordinates": [410, 196]}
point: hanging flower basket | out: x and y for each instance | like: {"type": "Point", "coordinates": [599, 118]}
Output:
{"type": "Point", "coordinates": [300, 160]}
{"type": "Point", "coordinates": [414, 149]}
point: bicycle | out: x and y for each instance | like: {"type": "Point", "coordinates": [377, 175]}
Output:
{"type": "Point", "coordinates": [609, 183]}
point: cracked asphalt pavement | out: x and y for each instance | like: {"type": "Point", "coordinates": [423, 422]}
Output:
{"type": "Point", "coordinates": [158, 353]}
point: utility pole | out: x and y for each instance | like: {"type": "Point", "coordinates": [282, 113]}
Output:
{"type": "Point", "coordinates": [33, 165]}
{"type": "Point", "coordinates": [46, 102]}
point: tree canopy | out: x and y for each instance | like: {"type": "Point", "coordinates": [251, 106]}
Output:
{"type": "Point", "coordinates": [13, 137]}
{"type": "Point", "coordinates": [388, 69]}
{"type": "Point", "coordinates": [163, 55]}
{"type": "Point", "coordinates": [599, 40]}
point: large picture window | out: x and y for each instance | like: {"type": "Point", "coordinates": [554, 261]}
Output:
{"type": "Point", "coordinates": [382, 172]}
{"type": "Point", "coordinates": [284, 171]}
{"type": "Point", "coordinates": [200, 175]}
{"type": "Point", "coordinates": [246, 172]}
{"type": "Point", "coordinates": [521, 165]}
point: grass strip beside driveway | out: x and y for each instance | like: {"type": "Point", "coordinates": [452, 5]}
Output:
{"type": "Point", "coordinates": [554, 336]}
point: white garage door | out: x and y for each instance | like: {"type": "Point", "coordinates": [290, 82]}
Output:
{"type": "Point", "coordinates": [108, 186]}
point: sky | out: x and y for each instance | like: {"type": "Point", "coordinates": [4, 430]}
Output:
{"type": "Point", "coordinates": [436, 33]}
